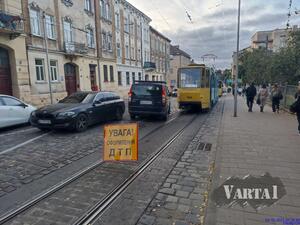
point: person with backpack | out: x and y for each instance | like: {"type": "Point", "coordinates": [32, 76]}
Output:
{"type": "Point", "coordinates": [250, 94]}
{"type": "Point", "coordinates": [295, 107]}
{"type": "Point", "coordinates": [276, 96]}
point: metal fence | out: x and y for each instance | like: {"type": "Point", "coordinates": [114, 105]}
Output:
{"type": "Point", "coordinates": [288, 92]}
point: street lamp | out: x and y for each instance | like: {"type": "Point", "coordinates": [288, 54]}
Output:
{"type": "Point", "coordinates": [237, 60]}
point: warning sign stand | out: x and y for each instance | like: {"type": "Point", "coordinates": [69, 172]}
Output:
{"type": "Point", "coordinates": [121, 142]}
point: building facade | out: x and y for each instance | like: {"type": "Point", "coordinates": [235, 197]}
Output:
{"type": "Point", "coordinates": [14, 76]}
{"type": "Point", "coordinates": [51, 49]}
{"type": "Point", "coordinates": [132, 44]}
{"type": "Point", "coordinates": [178, 58]}
{"type": "Point", "coordinates": [158, 67]}
{"type": "Point", "coordinates": [272, 40]}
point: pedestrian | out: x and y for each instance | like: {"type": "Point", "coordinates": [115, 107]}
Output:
{"type": "Point", "coordinates": [276, 96]}
{"type": "Point", "coordinates": [262, 97]}
{"type": "Point", "coordinates": [250, 94]}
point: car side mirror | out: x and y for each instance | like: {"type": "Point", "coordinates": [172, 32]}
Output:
{"type": "Point", "coordinates": [23, 105]}
{"type": "Point", "coordinates": [97, 102]}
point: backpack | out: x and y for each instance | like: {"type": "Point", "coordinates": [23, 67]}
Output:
{"type": "Point", "coordinates": [295, 107]}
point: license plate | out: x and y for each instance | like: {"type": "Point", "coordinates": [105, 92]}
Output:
{"type": "Point", "coordinates": [146, 102]}
{"type": "Point", "coordinates": [44, 121]}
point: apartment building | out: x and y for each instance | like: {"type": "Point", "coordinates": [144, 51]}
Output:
{"type": "Point", "coordinates": [178, 58]}
{"type": "Point", "coordinates": [271, 40]}
{"type": "Point", "coordinates": [51, 49]}
{"type": "Point", "coordinates": [14, 77]}
{"type": "Point", "coordinates": [132, 44]}
{"type": "Point", "coordinates": [158, 66]}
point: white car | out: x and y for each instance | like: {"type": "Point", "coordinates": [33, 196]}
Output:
{"type": "Point", "coordinates": [13, 111]}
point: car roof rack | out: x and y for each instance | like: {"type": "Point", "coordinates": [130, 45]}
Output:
{"type": "Point", "coordinates": [149, 81]}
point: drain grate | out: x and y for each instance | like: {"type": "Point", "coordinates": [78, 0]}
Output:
{"type": "Point", "coordinates": [204, 146]}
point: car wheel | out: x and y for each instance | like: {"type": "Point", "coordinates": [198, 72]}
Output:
{"type": "Point", "coordinates": [81, 123]}
{"type": "Point", "coordinates": [165, 117]}
{"type": "Point", "coordinates": [119, 114]}
{"type": "Point", "coordinates": [132, 116]}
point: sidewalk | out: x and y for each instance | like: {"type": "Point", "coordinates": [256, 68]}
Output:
{"type": "Point", "coordinates": [256, 143]}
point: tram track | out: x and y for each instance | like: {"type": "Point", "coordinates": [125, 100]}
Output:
{"type": "Point", "coordinates": [6, 217]}
{"type": "Point", "coordinates": [105, 203]}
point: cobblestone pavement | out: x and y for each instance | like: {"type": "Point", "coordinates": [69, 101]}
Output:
{"type": "Point", "coordinates": [68, 204]}
{"type": "Point", "coordinates": [256, 143]}
{"type": "Point", "coordinates": [57, 151]}
{"type": "Point", "coordinates": [182, 198]}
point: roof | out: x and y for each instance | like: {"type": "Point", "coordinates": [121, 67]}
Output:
{"type": "Point", "coordinates": [159, 34]}
{"type": "Point", "coordinates": [175, 50]}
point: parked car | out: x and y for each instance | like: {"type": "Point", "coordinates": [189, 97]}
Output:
{"type": "Point", "coordinates": [149, 98]}
{"type": "Point", "coordinates": [78, 111]}
{"type": "Point", "coordinates": [13, 111]}
{"type": "Point", "coordinates": [174, 92]}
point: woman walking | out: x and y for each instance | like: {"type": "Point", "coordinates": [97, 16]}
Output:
{"type": "Point", "coordinates": [276, 96]}
{"type": "Point", "coordinates": [262, 97]}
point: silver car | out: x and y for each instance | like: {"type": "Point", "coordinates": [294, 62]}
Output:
{"type": "Point", "coordinates": [13, 111]}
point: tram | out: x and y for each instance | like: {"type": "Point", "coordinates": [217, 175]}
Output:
{"type": "Point", "coordinates": [197, 87]}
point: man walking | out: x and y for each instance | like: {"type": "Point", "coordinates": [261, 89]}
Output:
{"type": "Point", "coordinates": [276, 97]}
{"type": "Point", "coordinates": [250, 94]}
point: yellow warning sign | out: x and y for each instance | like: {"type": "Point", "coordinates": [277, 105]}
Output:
{"type": "Point", "coordinates": [121, 142]}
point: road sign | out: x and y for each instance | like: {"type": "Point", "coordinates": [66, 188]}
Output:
{"type": "Point", "coordinates": [121, 142]}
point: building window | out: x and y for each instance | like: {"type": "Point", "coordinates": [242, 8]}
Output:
{"type": "Point", "coordinates": [90, 38]}
{"type": "Point", "coordinates": [105, 10]}
{"type": "Point", "coordinates": [153, 78]}
{"type": "Point", "coordinates": [39, 68]}
{"type": "Point", "coordinates": [126, 25]}
{"type": "Point", "coordinates": [88, 5]}
{"type": "Point", "coordinates": [133, 77]}
{"type": "Point", "coordinates": [50, 26]}
{"type": "Point", "coordinates": [111, 72]}
{"type": "Point", "coordinates": [117, 16]}
{"type": "Point", "coordinates": [140, 76]}
{"type": "Point", "coordinates": [119, 78]}
{"type": "Point", "coordinates": [132, 56]}
{"type": "Point", "coordinates": [105, 73]}
{"type": "Point", "coordinates": [68, 31]}
{"type": "Point", "coordinates": [53, 70]}
{"type": "Point", "coordinates": [119, 50]}
{"type": "Point", "coordinates": [126, 51]}
{"type": "Point", "coordinates": [127, 78]}
{"type": "Point", "coordinates": [109, 42]}
{"type": "Point", "coordinates": [147, 77]}
{"type": "Point", "coordinates": [35, 22]}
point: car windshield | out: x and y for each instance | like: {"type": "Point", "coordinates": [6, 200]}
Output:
{"type": "Point", "coordinates": [79, 98]}
{"type": "Point", "coordinates": [147, 89]}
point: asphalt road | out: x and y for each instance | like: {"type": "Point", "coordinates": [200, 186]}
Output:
{"type": "Point", "coordinates": [32, 161]}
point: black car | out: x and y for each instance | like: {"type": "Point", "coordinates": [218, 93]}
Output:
{"type": "Point", "coordinates": [149, 98]}
{"type": "Point", "coordinates": [78, 111]}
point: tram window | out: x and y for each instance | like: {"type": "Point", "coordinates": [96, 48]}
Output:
{"type": "Point", "coordinates": [190, 78]}
{"type": "Point", "coordinates": [205, 79]}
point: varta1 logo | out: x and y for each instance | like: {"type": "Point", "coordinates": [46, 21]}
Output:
{"type": "Point", "coordinates": [121, 142]}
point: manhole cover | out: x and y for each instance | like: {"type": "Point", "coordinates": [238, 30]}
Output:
{"type": "Point", "coordinates": [204, 146]}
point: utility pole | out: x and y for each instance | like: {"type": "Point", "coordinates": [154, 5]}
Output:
{"type": "Point", "coordinates": [237, 60]}
{"type": "Point", "coordinates": [47, 55]}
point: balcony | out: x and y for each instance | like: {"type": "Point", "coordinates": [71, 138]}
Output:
{"type": "Point", "coordinates": [149, 66]}
{"type": "Point", "coordinates": [74, 48]}
{"type": "Point", "coordinates": [11, 24]}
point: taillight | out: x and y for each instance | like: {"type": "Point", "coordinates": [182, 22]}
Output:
{"type": "Point", "coordinates": [130, 94]}
{"type": "Point", "coordinates": [164, 96]}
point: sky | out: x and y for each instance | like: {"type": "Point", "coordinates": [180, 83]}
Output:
{"type": "Point", "coordinates": [213, 29]}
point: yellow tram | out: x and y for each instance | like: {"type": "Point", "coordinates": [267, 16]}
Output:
{"type": "Point", "coordinates": [197, 87]}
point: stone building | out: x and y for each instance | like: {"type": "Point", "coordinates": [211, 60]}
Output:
{"type": "Point", "coordinates": [14, 78]}
{"type": "Point", "coordinates": [132, 44]}
{"type": "Point", "coordinates": [178, 58]}
{"type": "Point", "coordinates": [158, 67]}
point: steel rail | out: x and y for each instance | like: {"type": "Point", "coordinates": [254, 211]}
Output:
{"type": "Point", "coordinates": [99, 208]}
{"type": "Point", "coordinates": [36, 199]}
